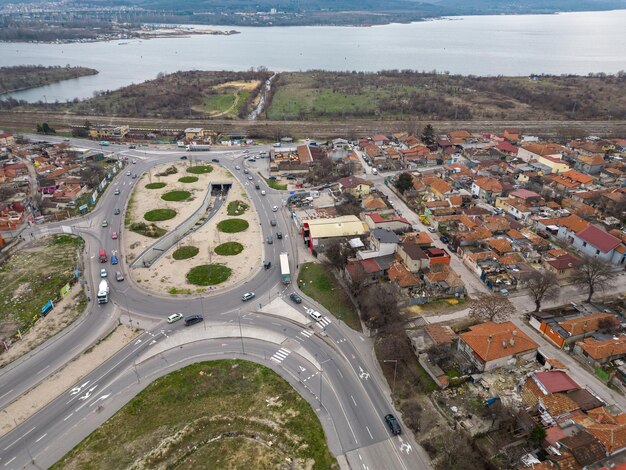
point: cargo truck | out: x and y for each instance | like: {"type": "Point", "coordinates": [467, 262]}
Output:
{"type": "Point", "coordinates": [103, 256]}
{"type": "Point", "coordinates": [285, 275]}
{"type": "Point", "coordinates": [103, 292]}
{"type": "Point", "coordinates": [198, 148]}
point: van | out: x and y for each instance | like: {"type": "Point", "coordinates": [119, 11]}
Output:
{"type": "Point", "coordinates": [193, 319]}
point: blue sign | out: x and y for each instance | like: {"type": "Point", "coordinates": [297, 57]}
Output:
{"type": "Point", "coordinates": [46, 308]}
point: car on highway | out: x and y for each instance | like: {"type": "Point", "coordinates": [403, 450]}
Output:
{"type": "Point", "coordinates": [215, 160]}
{"type": "Point", "coordinates": [114, 235]}
{"type": "Point", "coordinates": [432, 230]}
{"type": "Point", "coordinates": [174, 317]}
{"type": "Point", "coordinates": [114, 259]}
{"type": "Point", "coordinates": [252, 159]}
{"type": "Point", "coordinates": [279, 235]}
{"type": "Point", "coordinates": [134, 162]}
{"type": "Point", "coordinates": [116, 211]}
{"type": "Point", "coordinates": [274, 208]}
{"type": "Point", "coordinates": [257, 186]}
{"type": "Point", "coordinates": [393, 424]}
{"type": "Point", "coordinates": [105, 223]}
{"type": "Point", "coordinates": [103, 272]}
{"type": "Point", "coordinates": [250, 177]}
{"type": "Point", "coordinates": [263, 193]}
{"type": "Point", "coordinates": [315, 315]}
{"type": "Point", "coordinates": [237, 167]}
{"type": "Point", "coordinates": [270, 240]}
{"type": "Point", "coordinates": [248, 296]}
{"type": "Point", "coordinates": [246, 171]}
{"type": "Point", "coordinates": [184, 157]}
{"type": "Point", "coordinates": [267, 264]}
{"type": "Point", "coordinates": [193, 319]}
{"type": "Point", "coordinates": [128, 173]}
{"type": "Point", "coordinates": [117, 192]}
{"type": "Point", "coordinates": [295, 297]}
{"type": "Point", "coordinates": [132, 147]}
{"type": "Point", "coordinates": [134, 176]}
{"type": "Point", "coordinates": [119, 277]}
{"type": "Point", "coordinates": [273, 223]}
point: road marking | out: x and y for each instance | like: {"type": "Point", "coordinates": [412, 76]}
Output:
{"type": "Point", "coordinates": [404, 446]}
{"type": "Point", "coordinates": [23, 435]}
{"type": "Point", "coordinates": [343, 340]}
{"type": "Point", "coordinates": [43, 369]}
{"type": "Point", "coordinates": [280, 355]}
{"type": "Point", "coordinates": [363, 375]}
{"type": "Point", "coordinates": [324, 322]}
{"type": "Point", "coordinates": [307, 333]}
{"type": "Point", "coordinates": [68, 417]}
{"type": "Point", "coordinates": [369, 432]}
{"type": "Point", "coordinates": [340, 373]}
{"type": "Point", "coordinates": [353, 401]}
{"type": "Point", "coordinates": [10, 461]}
{"type": "Point", "coordinates": [41, 437]}
{"type": "Point", "coordinates": [6, 394]}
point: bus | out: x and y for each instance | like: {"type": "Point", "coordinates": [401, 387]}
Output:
{"type": "Point", "coordinates": [285, 275]}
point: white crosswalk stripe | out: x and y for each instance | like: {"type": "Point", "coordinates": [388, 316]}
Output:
{"type": "Point", "coordinates": [280, 355]}
{"type": "Point", "coordinates": [324, 322]}
{"type": "Point", "coordinates": [306, 333]}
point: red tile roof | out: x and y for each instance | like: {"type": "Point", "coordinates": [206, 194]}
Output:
{"type": "Point", "coordinates": [597, 237]}
{"type": "Point", "coordinates": [554, 381]}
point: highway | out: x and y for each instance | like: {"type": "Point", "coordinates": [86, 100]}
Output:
{"type": "Point", "coordinates": [330, 366]}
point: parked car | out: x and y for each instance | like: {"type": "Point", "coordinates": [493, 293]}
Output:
{"type": "Point", "coordinates": [103, 272]}
{"type": "Point", "coordinates": [174, 317]}
{"type": "Point", "coordinates": [184, 157]}
{"type": "Point", "coordinates": [393, 424]}
{"type": "Point", "coordinates": [134, 176]}
{"type": "Point", "coordinates": [248, 296]}
{"type": "Point", "coordinates": [105, 223]}
{"type": "Point", "coordinates": [246, 151]}
{"type": "Point", "coordinates": [295, 297]}
{"type": "Point", "coordinates": [246, 171]}
{"type": "Point", "coordinates": [432, 230]}
{"type": "Point", "coordinates": [114, 235]}
{"type": "Point", "coordinates": [193, 319]}
{"type": "Point", "coordinates": [444, 239]}
{"type": "Point", "coordinates": [128, 173]}
{"type": "Point", "coordinates": [119, 276]}
{"type": "Point", "coordinates": [252, 159]}
{"type": "Point", "coordinates": [131, 146]}
{"type": "Point", "coordinates": [237, 167]}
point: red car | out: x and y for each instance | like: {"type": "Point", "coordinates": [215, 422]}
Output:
{"type": "Point", "coordinates": [114, 235]}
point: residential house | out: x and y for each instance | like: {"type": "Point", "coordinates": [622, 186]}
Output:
{"type": "Point", "coordinates": [562, 266]}
{"type": "Point", "coordinates": [590, 164]}
{"type": "Point", "coordinates": [514, 207]}
{"type": "Point", "coordinates": [563, 228]}
{"type": "Point", "coordinates": [439, 188]}
{"type": "Point", "coordinates": [567, 330]}
{"type": "Point", "coordinates": [609, 428]}
{"type": "Point", "coordinates": [443, 280]}
{"type": "Point", "coordinates": [373, 203]}
{"type": "Point", "coordinates": [511, 134]}
{"type": "Point", "coordinates": [601, 351]}
{"type": "Point", "coordinates": [355, 186]}
{"type": "Point", "coordinates": [595, 242]}
{"type": "Point", "coordinates": [487, 189]}
{"type": "Point", "coordinates": [437, 256]}
{"type": "Point", "coordinates": [6, 138]}
{"type": "Point", "coordinates": [412, 255]}
{"type": "Point", "coordinates": [380, 139]}
{"type": "Point", "coordinates": [366, 271]}
{"type": "Point", "coordinates": [570, 180]}
{"type": "Point", "coordinates": [402, 277]}
{"type": "Point", "coordinates": [387, 222]}
{"type": "Point", "coordinates": [315, 232]}
{"type": "Point", "coordinates": [492, 345]}
{"type": "Point", "coordinates": [382, 241]}
{"type": "Point", "coordinates": [108, 132]}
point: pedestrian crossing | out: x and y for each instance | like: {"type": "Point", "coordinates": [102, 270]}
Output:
{"type": "Point", "coordinates": [280, 355]}
{"type": "Point", "coordinates": [324, 322]}
{"type": "Point", "coordinates": [307, 333]}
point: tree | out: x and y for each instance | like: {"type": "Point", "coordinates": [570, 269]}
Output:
{"type": "Point", "coordinates": [593, 274]}
{"type": "Point", "coordinates": [542, 286]}
{"type": "Point", "coordinates": [335, 254]}
{"type": "Point", "coordinates": [379, 306]}
{"type": "Point", "coordinates": [404, 182]}
{"type": "Point", "coordinates": [490, 307]}
{"type": "Point", "coordinates": [428, 136]}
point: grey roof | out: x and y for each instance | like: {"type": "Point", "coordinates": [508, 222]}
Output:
{"type": "Point", "coordinates": [385, 236]}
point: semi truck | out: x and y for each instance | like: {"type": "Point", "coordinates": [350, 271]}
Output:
{"type": "Point", "coordinates": [285, 275]}
{"type": "Point", "coordinates": [103, 256]}
{"type": "Point", "coordinates": [103, 292]}
{"type": "Point", "coordinates": [198, 147]}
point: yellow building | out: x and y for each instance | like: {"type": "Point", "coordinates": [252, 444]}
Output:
{"type": "Point", "coordinates": [108, 132]}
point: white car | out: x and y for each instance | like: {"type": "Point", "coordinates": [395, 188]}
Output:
{"type": "Point", "coordinates": [103, 272]}
{"type": "Point", "coordinates": [237, 167]}
{"type": "Point", "coordinates": [263, 192]}
{"type": "Point", "coordinates": [274, 208]}
{"type": "Point", "coordinates": [315, 315]}
{"type": "Point", "coordinates": [174, 317]}
{"type": "Point", "coordinates": [128, 173]}
{"type": "Point", "coordinates": [247, 296]}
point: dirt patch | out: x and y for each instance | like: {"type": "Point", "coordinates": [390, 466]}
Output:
{"type": "Point", "coordinates": [31, 402]}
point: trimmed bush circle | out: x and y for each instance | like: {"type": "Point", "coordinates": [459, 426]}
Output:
{"type": "Point", "coordinates": [185, 252]}
{"type": "Point", "coordinates": [155, 185]}
{"type": "Point", "coordinates": [200, 169]}
{"type": "Point", "coordinates": [208, 274]}
{"type": "Point", "coordinates": [236, 208]}
{"type": "Point", "coordinates": [157, 215]}
{"type": "Point", "coordinates": [233, 225]}
{"type": "Point", "coordinates": [188, 179]}
{"type": "Point", "coordinates": [176, 196]}
{"type": "Point", "coordinates": [229, 249]}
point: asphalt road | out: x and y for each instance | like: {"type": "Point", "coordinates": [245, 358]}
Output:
{"type": "Point", "coordinates": [342, 383]}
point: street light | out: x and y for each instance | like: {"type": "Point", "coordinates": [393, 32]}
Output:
{"type": "Point", "coordinates": [395, 371]}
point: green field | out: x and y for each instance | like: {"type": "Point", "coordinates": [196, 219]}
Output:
{"type": "Point", "coordinates": [33, 276]}
{"type": "Point", "coordinates": [233, 225]}
{"type": "Point", "coordinates": [155, 185]}
{"type": "Point", "coordinates": [157, 215]}
{"type": "Point", "coordinates": [185, 252]}
{"type": "Point", "coordinates": [208, 274]}
{"type": "Point", "coordinates": [219, 415]}
{"type": "Point", "coordinates": [317, 282]}
{"type": "Point", "coordinates": [176, 196]}
{"type": "Point", "coordinates": [229, 249]}
{"type": "Point", "coordinates": [219, 103]}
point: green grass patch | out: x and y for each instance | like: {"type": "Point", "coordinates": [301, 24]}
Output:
{"type": "Point", "coordinates": [200, 169]}
{"type": "Point", "coordinates": [31, 277]}
{"type": "Point", "coordinates": [188, 179]}
{"type": "Point", "coordinates": [218, 103]}
{"type": "Point", "coordinates": [147, 230]}
{"type": "Point", "coordinates": [229, 249]}
{"type": "Point", "coordinates": [233, 225]}
{"type": "Point", "coordinates": [237, 208]}
{"type": "Point", "coordinates": [176, 196]}
{"type": "Point", "coordinates": [275, 185]}
{"type": "Point", "coordinates": [155, 185]}
{"type": "Point", "coordinates": [176, 290]}
{"type": "Point", "coordinates": [223, 412]}
{"type": "Point", "coordinates": [428, 383]}
{"type": "Point", "coordinates": [185, 252]}
{"type": "Point", "coordinates": [157, 215]}
{"type": "Point", "coordinates": [208, 274]}
{"type": "Point", "coordinates": [316, 281]}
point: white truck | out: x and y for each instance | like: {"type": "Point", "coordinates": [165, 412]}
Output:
{"type": "Point", "coordinates": [103, 292]}
{"type": "Point", "coordinates": [198, 148]}
{"type": "Point", "coordinates": [285, 275]}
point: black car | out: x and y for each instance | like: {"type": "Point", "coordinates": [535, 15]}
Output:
{"type": "Point", "coordinates": [267, 264]}
{"type": "Point", "coordinates": [184, 157]}
{"type": "Point", "coordinates": [193, 319]}
{"type": "Point", "coordinates": [116, 211]}
{"type": "Point", "coordinates": [296, 298]}
{"type": "Point", "coordinates": [444, 239]}
{"type": "Point", "coordinates": [279, 235]}
{"type": "Point", "coordinates": [273, 223]}
{"type": "Point", "coordinates": [216, 160]}
{"type": "Point", "coordinates": [393, 424]}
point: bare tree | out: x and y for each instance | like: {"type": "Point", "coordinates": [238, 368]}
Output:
{"type": "Point", "coordinates": [593, 274]}
{"type": "Point", "coordinates": [379, 305]}
{"type": "Point", "coordinates": [490, 307]}
{"type": "Point", "coordinates": [335, 254]}
{"type": "Point", "coordinates": [542, 286]}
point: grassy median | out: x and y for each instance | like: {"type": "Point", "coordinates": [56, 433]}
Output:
{"type": "Point", "coordinates": [222, 414]}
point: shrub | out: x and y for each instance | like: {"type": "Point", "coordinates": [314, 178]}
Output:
{"type": "Point", "coordinates": [208, 274]}
{"type": "Point", "coordinates": [157, 215]}
{"type": "Point", "coordinates": [233, 225]}
{"type": "Point", "coordinates": [176, 196]}
{"type": "Point", "coordinates": [236, 208]}
{"type": "Point", "coordinates": [169, 171]}
{"type": "Point", "coordinates": [148, 230]}
{"type": "Point", "coordinates": [185, 252]}
{"type": "Point", "coordinates": [229, 249]}
{"type": "Point", "coordinates": [155, 185]}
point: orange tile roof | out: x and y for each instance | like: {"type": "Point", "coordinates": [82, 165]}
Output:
{"type": "Point", "coordinates": [510, 259]}
{"type": "Point", "coordinates": [501, 245]}
{"type": "Point", "coordinates": [460, 134]}
{"type": "Point", "coordinates": [373, 202]}
{"type": "Point", "coordinates": [488, 184]}
{"type": "Point", "coordinates": [586, 323]}
{"type": "Point", "coordinates": [419, 238]}
{"type": "Point", "coordinates": [440, 186]}
{"type": "Point", "coordinates": [440, 334]}
{"type": "Point", "coordinates": [455, 200]}
{"type": "Point", "coordinates": [609, 429]}
{"type": "Point", "coordinates": [577, 176]}
{"type": "Point", "coordinates": [515, 234]}
{"type": "Point", "coordinates": [604, 349]}
{"type": "Point", "coordinates": [572, 222]}
{"type": "Point", "coordinates": [593, 160]}
{"type": "Point", "coordinates": [399, 273]}
{"type": "Point", "coordinates": [486, 340]}
{"type": "Point", "coordinates": [478, 233]}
